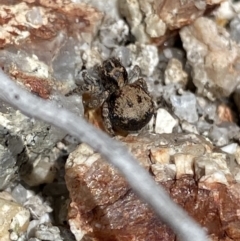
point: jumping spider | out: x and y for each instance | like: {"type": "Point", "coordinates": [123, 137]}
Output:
{"type": "Point", "coordinates": [126, 106]}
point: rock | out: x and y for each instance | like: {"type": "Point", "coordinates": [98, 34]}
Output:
{"type": "Point", "coordinates": [235, 28]}
{"type": "Point", "coordinates": [8, 167]}
{"type": "Point", "coordinates": [38, 206]}
{"type": "Point", "coordinates": [231, 148]}
{"type": "Point", "coordinates": [14, 219]}
{"type": "Point", "coordinates": [42, 22]}
{"type": "Point", "coordinates": [194, 174]}
{"type": "Point", "coordinates": [154, 21]}
{"type": "Point", "coordinates": [222, 134]}
{"type": "Point", "coordinates": [227, 12]}
{"type": "Point", "coordinates": [29, 147]}
{"type": "Point", "coordinates": [174, 74]}
{"type": "Point", "coordinates": [48, 232]}
{"type": "Point", "coordinates": [183, 164]}
{"type": "Point", "coordinates": [225, 113]}
{"type": "Point", "coordinates": [189, 128]}
{"type": "Point", "coordinates": [20, 193]}
{"type": "Point", "coordinates": [173, 53]}
{"type": "Point", "coordinates": [42, 172]}
{"type": "Point", "coordinates": [155, 27]}
{"type": "Point", "coordinates": [213, 168]}
{"type": "Point", "coordinates": [42, 229]}
{"type": "Point", "coordinates": [185, 107]}
{"type": "Point", "coordinates": [214, 64]}
{"type": "Point", "coordinates": [163, 173]}
{"type": "Point", "coordinates": [145, 56]}
{"type": "Point", "coordinates": [237, 154]}
{"type": "Point", "coordinates": [164, 122]}
{"type": "Point", "coordinates": [112, 32]}
{"type": "Point", "coordinates": [49, 45]}
{"type": "Point", "coordinates": [207, 108]}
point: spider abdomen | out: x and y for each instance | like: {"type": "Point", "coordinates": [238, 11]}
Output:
{"type": "Point", "coordinates": [130, 108]}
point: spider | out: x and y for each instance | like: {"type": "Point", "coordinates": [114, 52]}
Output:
{"type": "Point", "coordinates": [126, 106]}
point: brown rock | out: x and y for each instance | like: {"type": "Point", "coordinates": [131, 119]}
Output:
{"type": "Point", "coordinates": [225, 113]}
{"type": "Point", "coordinates": [22, 21]}
{"type": "Point", "coordinates": [156, 21]}
{"type": "Point", "coordinates": [103, 207]}
{"type": "Point", "coordinates": [177, 14]}
{"type": "Point", "coordinates": [39, 86]}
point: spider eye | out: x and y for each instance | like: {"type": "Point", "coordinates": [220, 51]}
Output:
{"type": "Point", "coordinates": [117, 74]}
{"type": "Point", "coordinates": [108, 66]}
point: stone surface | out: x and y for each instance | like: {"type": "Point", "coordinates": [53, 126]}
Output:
{"type": "Point", "coordinates": [185, 107]}
{"type": "Point", "coordinates": [37, 206]}
{"type": "Point", "coordinates": [189, 128]}
{"type": "Point", "coordinates": [48, 232]}
{"type": "Point", "coordinates": [44, 47]}
{"type": "Point", "coordinates": [45, 43]}
{"type": "Point", "coordinates": [222, 134]}
{"type": "Point", "coordinates": [164, 122]}
{"type": "Point", "coordinates": [214, 63]}
{"type": "Point", "coordinates": [197, 177]}
{"type": "Point", "coordinates": [155, 21]}
{"type": "Point", "coordinates": [145, 56]}
{"type": "Point", "coordinates": [226, 12]}
{"type": "Point", "coordinates": [14, 218]}
{"type": "Point", "coordinates": [174, 74]}
{"type": "Point", "coordinates": [207, 108]}
{"type": "Point", "coordinates": [225, 113]}
{"type": "Point", "coordinates": [29, 148]}
{"type": "Point", "coordinates": [21, 21]}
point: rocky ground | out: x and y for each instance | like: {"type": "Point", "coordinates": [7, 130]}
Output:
{"type": "Point", "coordinates": [54, 188]}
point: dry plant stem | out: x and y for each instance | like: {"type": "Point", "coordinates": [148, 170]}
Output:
{"type": "Point", "coordinates": [114, 152]}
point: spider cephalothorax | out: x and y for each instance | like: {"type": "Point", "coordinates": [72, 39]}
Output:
{"type": "Point", "coordinates": [112, 74]}
{"type": "Point", "coordinates": [125, 106]}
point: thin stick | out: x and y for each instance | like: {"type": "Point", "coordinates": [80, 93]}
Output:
{"type": "Point", "coordinates": [114, 152]}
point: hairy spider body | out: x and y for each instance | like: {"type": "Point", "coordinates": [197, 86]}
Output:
{"type": "Point", "coordinates": [130, 108]}
{"type": "Point", "coordinates": [125, 106]}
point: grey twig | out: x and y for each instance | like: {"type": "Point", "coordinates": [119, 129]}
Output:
{"type": "Point", "coordinates": [115, 153]}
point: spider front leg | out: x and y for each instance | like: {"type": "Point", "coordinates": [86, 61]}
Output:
{"type": "Point", "coordinates": [106, 120]}
{"type": "Point", "coordinates": [135, 73]}
{"type": "Point", "coordinates": [92, 90]}
{"type": "Point", "coordinates": [95, 100]}
{"type": "Point", "coordinates": [90, 84]}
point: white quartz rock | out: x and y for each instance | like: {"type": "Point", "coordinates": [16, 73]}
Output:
{"type": "Point", "coordinates": [164, 122]}
{"type": "Point", "coordinates": [212, 168]}
{"type": "Point", "coordinates": [163, 173]}
{"type": "Point", "coordinates": [184, 164]}
{"type": "Point", "coordinates": [231, 148]}
{"type": "Point", "coordinates": [185, 107]}
{"type": "Point", "coordinates": [145, 56]}
{"type": "Point", "coordinates": [190, 128]}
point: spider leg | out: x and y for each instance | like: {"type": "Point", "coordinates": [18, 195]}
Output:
{"type": "Point", "coordinates": [96, 100]}
{"type": "Point", "coordinates": [134, 73]}
{"type": "Point", "coordinates": [106, 121]}
{"type": "Point", "coordinates": [90, 84]}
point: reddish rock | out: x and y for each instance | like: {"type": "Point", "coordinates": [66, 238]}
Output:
{"type": "Point", "coordinates": [103, 207]}
{"type": "Point", "coordinates": [23, 21]}
{"type": "Point", "coordinates": [225, 113]}
{"type": "Point", "coordinates": [39, 86]}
